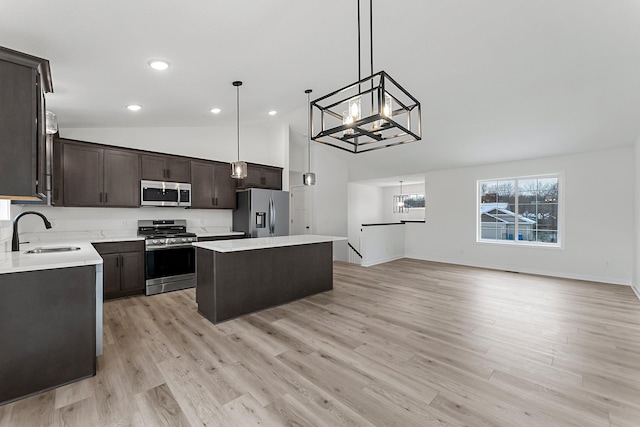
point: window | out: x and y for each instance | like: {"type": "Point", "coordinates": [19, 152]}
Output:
{"type": "Point", "coordinates": [522, 210]}
{"type": "Point", "coordinates": [413, 201]}
{"type": "Point", "coordinates": [5, 212]}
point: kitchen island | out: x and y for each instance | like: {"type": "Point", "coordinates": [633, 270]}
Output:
{"type": "Point", "coordinates": [238, 277]}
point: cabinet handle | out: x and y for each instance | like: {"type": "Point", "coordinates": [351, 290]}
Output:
{"type": "Point", "coordinates": [118, 261]}
{"type": "Point", "coordinates": [100, 197]}
{"type": "Point", "coordinates": [55, 193]}
{"type": "Point", "coordinates": [168, 173]}
{"type": "Point", "coordinates": [106, 196]}
{"type": "Point", "coordinates": [213, 201]}
{"type": "Point", "coordinates": [263, 180]}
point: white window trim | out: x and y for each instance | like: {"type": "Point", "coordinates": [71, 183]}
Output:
{"type": "Point", "coordinates": [5, 210]}
{"type": "Point", "coordinates": [521, 243]}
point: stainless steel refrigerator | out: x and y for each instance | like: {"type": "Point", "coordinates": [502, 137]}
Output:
{"type": "Point", "coordinates": [262, 213]}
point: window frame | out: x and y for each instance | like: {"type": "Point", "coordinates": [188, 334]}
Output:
{"type": "Point", "coordinates": [559, 244]}
{"type": "Point", "coordinates": [5, 210]}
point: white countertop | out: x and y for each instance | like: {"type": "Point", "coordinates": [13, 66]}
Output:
{"type": "Point", "coordinates": [16, 262]}
{"type": "Point", "coordinates": [219, 233]}
{"type": "Point", "coordinates": [237, 245]}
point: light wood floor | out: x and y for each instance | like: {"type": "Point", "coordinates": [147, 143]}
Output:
{"type": "Point", "coordinates": [407, 343]}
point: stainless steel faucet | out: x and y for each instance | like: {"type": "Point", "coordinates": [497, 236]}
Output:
{"type": "Point", "coordinates": [15, 242]}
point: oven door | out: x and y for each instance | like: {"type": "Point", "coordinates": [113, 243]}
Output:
{"type": "Point", "coordinates": [169, 269]}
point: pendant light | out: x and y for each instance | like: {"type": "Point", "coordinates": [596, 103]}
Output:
{"type": "Point", "coordinates": [399, 202]}
{"type": "Point", "coordinates": [238, 168]}
{"type": "Point", "coordinates": [309, 178]}
{"type": "Point", "coordinates": [374, 112]}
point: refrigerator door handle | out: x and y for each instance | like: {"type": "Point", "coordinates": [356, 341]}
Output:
{"type": "Point", "coordinates": [272, 218]}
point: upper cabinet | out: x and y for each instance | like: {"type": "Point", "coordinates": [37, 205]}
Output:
{"type": "Point", "coordinates": [87, 174]}
{"type": "Point", "coordinates": [165, 168]}
{"type": "Point", "coordinates": [212, 186]}
{"type": "Point", "coordinates": [96, 176]}
{"type": "Point", "coordinates": [261, 176]}
{"type": "Point", "coordinates": [23, 81]}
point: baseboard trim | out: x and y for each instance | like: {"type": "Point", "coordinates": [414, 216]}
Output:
{"type": "Point", "coordinates": [380, 261]}
{"type": "Point", "coordinates": [636, 291]}
{"type": "Point", "coordinates": [560, 275]}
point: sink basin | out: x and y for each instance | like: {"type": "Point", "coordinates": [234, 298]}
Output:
{"type": "Point", "coordinates": [53, 249]}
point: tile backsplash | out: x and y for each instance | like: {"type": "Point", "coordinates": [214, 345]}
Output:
{"type": "Point", "coordinates": [69, 223]}
{"type": "Point", "coordinates": [6, 229]}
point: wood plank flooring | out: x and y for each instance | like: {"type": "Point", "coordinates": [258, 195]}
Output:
{"type": "Point", "coordinates": [407, 343]}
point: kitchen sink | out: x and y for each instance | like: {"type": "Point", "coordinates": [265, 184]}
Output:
{"type": "Point", "coordinates": [53, 249]}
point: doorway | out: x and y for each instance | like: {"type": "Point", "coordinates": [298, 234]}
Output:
{"type": "Point", "coordinates": [301, 212]}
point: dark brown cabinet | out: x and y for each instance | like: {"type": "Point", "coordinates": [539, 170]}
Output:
{"type": "Point", "coordinates": [262, 176]}
{"type": "Point", "coordinates": [123, 268]}
{"type": "Point", "coordinates": [95, 176]}
{"type": "Point", "coordinates": [212, 186]}
{"type": "Point", "coordinates": [165, 168]}
{"type": "Point", "coordinates": [23, 81]}
{"type": "Point", "coordinates": [48, 332]}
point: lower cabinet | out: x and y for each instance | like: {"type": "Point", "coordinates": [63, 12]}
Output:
{"type": "Point", "coordinates": [47, 331]}
{"type": "Point", "coordinates": [123, 268]}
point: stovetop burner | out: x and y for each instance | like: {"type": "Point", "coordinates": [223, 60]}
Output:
{"type": "Point", "coordinates": [165, 232]}
{"type": "Point", "coordinates": [167, 235]}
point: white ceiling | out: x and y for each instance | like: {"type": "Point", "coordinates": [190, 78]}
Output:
{"type": "Point", "coordinates": [499, 80]}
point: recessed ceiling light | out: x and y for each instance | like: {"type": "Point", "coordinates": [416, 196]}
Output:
{"type": "Point", "coordinates": [273, 112]}
{"type": "Point", "coordinates": [134, 107]}
{"type": "Point", "coordinates": [158, 64]}
{"type": "Point", "coordinates": [215, 110]}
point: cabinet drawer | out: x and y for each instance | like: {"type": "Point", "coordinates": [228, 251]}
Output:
{"type": "Point", "coordinates": [118, 247]}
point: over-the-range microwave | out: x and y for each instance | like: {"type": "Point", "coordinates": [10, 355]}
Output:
{"type": "Point", "coordinates": [158, 193]}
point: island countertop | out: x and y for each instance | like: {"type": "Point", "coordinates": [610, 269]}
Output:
{"type": "Point", "coordinates": [265, 242]}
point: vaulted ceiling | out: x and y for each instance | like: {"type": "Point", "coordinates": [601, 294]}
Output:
{"type": "Point", "coordinates": [499, 80]}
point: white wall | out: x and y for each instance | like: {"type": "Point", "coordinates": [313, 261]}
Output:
{"type": "Point", "coordinates": [382, 243]}
{"type": "Point", "coordinates": [598, 192]}
{"type": "Point", "coordinates": [387, 203]}
{"type": "Point", "coordinates": [330, 196]}
{"type": "Point", "coordinates": [267, 144]}
{"type": "Point", "coordinates": [636, 252]}
{"type": "Point", "coordinates": [365, 206]}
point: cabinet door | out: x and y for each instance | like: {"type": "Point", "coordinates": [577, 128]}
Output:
{"type": "Point", "coordinates": [17, 130]}
{"type": "Point", "coordinates": [110, 273]}
{"type": "Point", "coordinates": [224, 187]}
{"type": "Point", "coordinates": [132, 271]}
{"type": "Point", "coordinates": [272, 178]}
{"type": "Point", "coordinates": [201, 185]}
{"type": "Point", "coordinates": [178, 170]}
{"type": "Point", "coordinates": [253, 179]}
{"type": "Point", "coordinates": [82, 175]}
{"type": "Point", "coordinates": [56, 180]}
{"type": "Point", "coordinates": [153, 167]}
{"type": "Point", "coordinates": [121, 178]}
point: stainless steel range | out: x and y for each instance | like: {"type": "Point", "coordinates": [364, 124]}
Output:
{"type": "Point", "coordinates": [169, 256]}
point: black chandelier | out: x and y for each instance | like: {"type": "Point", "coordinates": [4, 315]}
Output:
{"type": "Point", "coordinates": [373, 113]}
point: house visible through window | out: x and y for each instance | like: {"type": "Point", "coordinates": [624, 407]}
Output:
{"type": "Point", "coordinates": [519, 210]}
